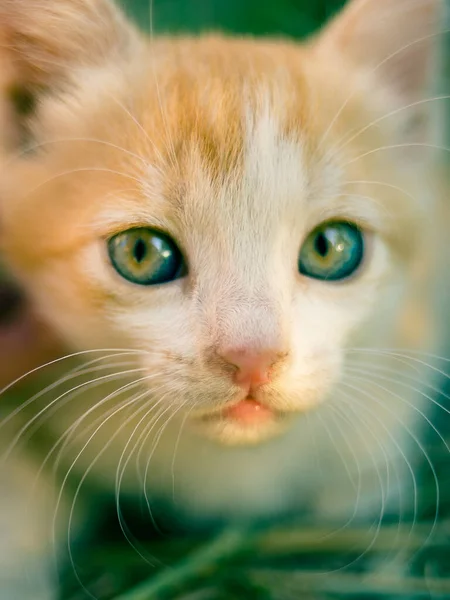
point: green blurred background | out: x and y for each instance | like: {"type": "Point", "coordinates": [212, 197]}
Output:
{"type": "Point", "coordinates": [295, 18]}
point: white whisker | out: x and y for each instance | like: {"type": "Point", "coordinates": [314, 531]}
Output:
{"type": "Point", "coordinates": [83, 478]}
{"type": "Point", "coordinates": [34, 425]}
{"type": "Point", "coordinates": [175, 449]}
{"type": "Point", "coordinates": [433, 400]}
{"type": "Point", "coordinates": [373, 71]}
{"type": "Point", "coordinates": [67, 356]}
{"type": "Point", "coordinates": [383, 494]}
{"type": "Point", "coordinates": [341, 144]}
{"type": "Point", "coordinates": [394, 147]}
{"type": "Point", "coordinates": [416, 441]}
{"type": "Point", "coordinates": [56, 400]}
{"type": "Point", "coordinates": [406, 356]}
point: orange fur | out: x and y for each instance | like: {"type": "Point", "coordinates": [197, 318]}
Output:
{"type": "Point", "coordinates": [238, 149]}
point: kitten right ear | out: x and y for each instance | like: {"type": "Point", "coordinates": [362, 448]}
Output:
{"type": "Point", "coordinates": [42, 42]}
{"type": "Point", "coordinates": [394, 39]}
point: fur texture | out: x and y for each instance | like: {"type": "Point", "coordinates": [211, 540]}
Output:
{"type": "Point", "coordinates": [237, 148]}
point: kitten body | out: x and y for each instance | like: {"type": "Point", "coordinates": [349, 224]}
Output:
{"type": "Point", "coordinates": [237, 149]}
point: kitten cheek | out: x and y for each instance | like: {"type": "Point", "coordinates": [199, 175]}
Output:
{"type": "Point", "coordinates": [309, 386]}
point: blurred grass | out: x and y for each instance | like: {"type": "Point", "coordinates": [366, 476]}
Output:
{"type": "Point", "coordinates": [399, 561]}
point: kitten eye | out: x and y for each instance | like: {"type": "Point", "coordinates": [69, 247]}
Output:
{"type": "Point", "coordinates": [146, 257]}
{"type": "Point", "coordinates": [332, 252]}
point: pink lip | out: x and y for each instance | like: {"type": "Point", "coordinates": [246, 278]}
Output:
{"type": "Point", "coordinates": [248, 412]}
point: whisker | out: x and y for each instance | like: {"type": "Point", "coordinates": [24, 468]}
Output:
{"type": "Point", "coordinates": [66, 437]}
{"type": "Point", "coordinates": [78, 170]}
{"type": "Point", "coordinates": [394, 147]}
{"type": "Point", "coordinates": [66, 477]}
{"type": "Point", "coordinates": [338, 450]}
{"type": "Point", "coordinates": [312, 432]}
{"type": "Point", "coordinates": [140, 127]}
{"type": "Point", "coordinates": [87, 414]}
{"type": "Point", "coordinates": [175, 449]}
{"type": "Point", "coordinates": [338, 413]}
{"type": "Point", "coordinates": [396, 359]}
{"type": "Point", "coordinates": [410, 404]}
{"type": "Point", "coordinates": [139, 454]}
{"type": "Point", "coordinates": [341, 144]}
{"type": "Point", "coordinates": [367, 424]}
{"type": "Point", "coordinates": [53, 402]}
{"type": "Point", "coordinates": [404, 352]}
{"type": "Point", "coordinates": [67, 356]}
{"type": "Point", "coordinates": [391, 186]}
{"type": "Point", "coordinates": [170, 146]}
{"type": "Point", "coordinates": [40, 145]}
{"type": "Point", "coordinates": [419, 445]}
{"type": "Point", "coordinates": [75, 372]}
{"type": "Point", "coordinates": [153, 451]}
{"type": "Point", "coordinates": [383, 494]}
{"type": "Point", "coordinates": [367, 197]}
{"type": "Point", "coordinates": [83, 478]}
{"type": "Point", "coordinates": [403, 355]}
{"type": "Point", "coordinates": [374, 371]}
{"type": "Point", "coordinates": [373, 71]}
{"type": "Point", "coordinates": [50, 411]}
{"type": "Point", "coordinates": [119, 476]}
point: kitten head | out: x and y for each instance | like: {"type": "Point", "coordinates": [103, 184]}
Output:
{"type": "Point", "coordinates": [240, 211]}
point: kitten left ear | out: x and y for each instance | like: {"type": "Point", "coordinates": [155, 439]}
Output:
{"type": "Point", "coordinates": [44, 42]}
{"type": "Point", "coordinates": [394, 39]}
{"type": "Point", "coordinates": [43, 39]}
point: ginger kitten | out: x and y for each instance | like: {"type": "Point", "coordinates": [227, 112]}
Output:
{"type": "Point", "coordinates": [250, 229]}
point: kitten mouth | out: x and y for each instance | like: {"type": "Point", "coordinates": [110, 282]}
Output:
{"type": "Point", "coordinates": [246, 412]}
{"type": "Point", "coordinates": [246, 422]}
{"type": "Point", "coordinates": [249, 412]}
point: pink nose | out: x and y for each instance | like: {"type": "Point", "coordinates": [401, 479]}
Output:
{"type": "Point", "coordinates": [253, 367]}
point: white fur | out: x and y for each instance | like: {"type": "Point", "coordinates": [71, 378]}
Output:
{"type": "Point", "coordinates": [344, 450]}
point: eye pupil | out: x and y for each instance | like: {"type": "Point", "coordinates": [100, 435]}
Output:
{"type": "Point", "coordinates": [140, 251]}
{"type": "Point", "coordinates": [321, 245]}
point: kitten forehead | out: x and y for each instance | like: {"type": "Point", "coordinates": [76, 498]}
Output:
{"type": "Point", "coordinates": [274, 163]}
{"type": "Point", "coordinates": [271, 174]}
{"type": "Point", "coordinates": [270, 181]}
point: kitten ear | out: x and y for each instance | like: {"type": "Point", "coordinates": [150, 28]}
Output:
{"type": "Point", "coordinates": [396, 39]}
{"type": "Point", "coordinates": [42, 42]}
{"type": "Point", "coordinates": [44, 38]}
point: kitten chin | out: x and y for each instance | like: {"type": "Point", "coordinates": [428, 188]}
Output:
{"type": "Point", "coordinates": [225, 226]}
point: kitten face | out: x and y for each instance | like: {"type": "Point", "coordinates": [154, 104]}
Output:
{"type": "Point", "coordinates": [237, 151]}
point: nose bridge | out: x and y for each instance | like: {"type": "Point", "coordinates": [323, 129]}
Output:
{"type": "Point", "coordinates": [249, 321]}
{"type": "Point", "coordinates": [245, 299]}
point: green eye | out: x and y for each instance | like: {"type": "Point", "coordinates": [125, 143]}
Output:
{"type": "Point", "coordinates": [333, 251]}
{"type": "Point", "coordinates": [146, 257]}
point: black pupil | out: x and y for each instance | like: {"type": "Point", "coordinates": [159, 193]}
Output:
{"type": "Point", "coordinates": [140, 251]}
{"type": "Point", "coordinates": [321, 245]}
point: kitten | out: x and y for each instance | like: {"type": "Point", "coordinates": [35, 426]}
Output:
{"type": "Point", "coordinates": [255, 223]}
